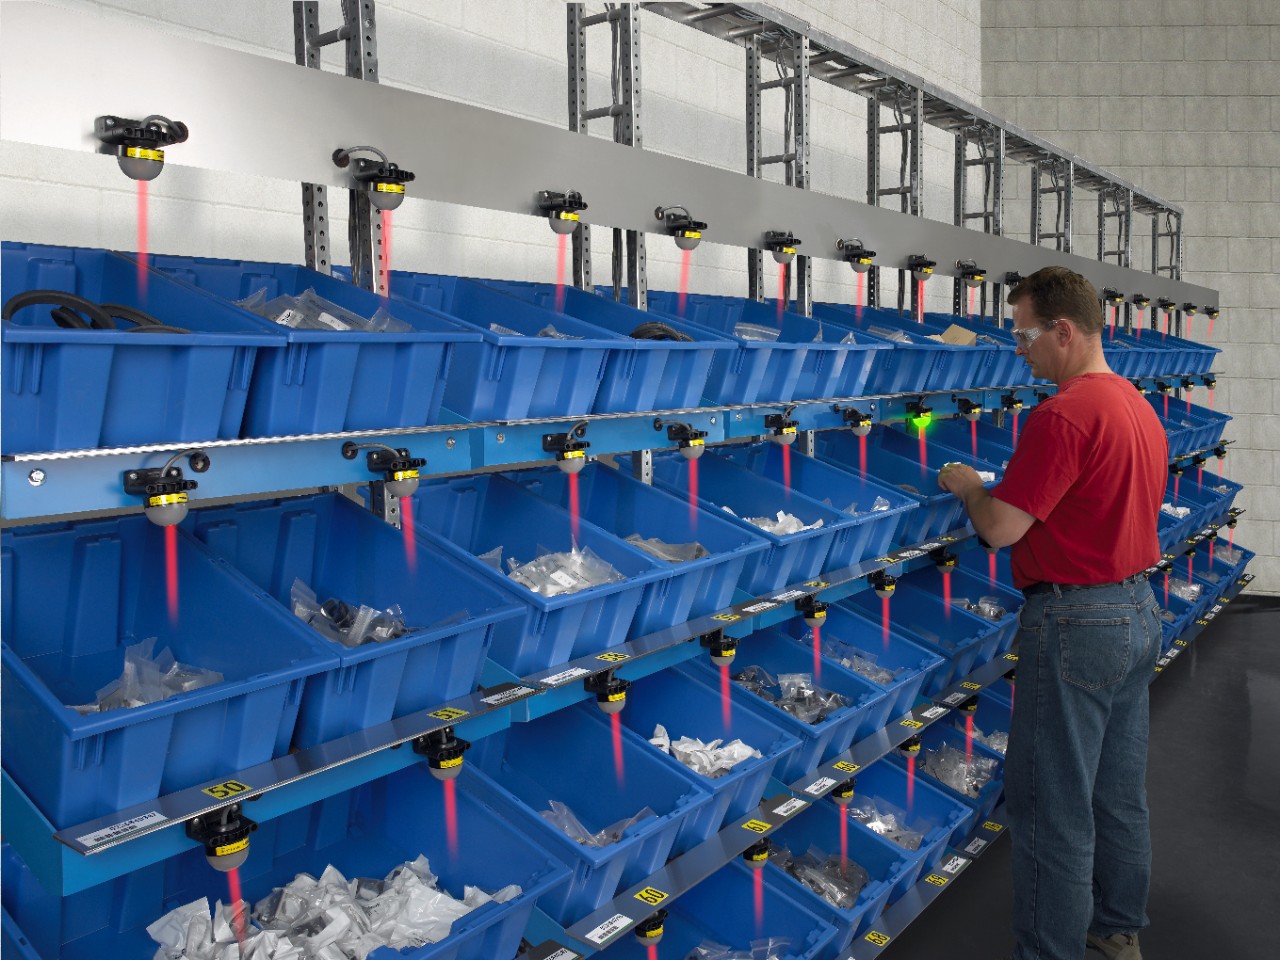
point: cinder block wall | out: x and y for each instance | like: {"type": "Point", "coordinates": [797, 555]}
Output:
{"type": "Point", "coordinates": [1182, 98]}
{"type": "Point", "coordinates": [509, 57]}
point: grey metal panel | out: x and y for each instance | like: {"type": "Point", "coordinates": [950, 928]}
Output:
{"type": "Point", "coordinates": [462, 154]}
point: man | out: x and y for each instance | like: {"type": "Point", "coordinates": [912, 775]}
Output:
{"type": "Point", "coordinates": [1078, 503]}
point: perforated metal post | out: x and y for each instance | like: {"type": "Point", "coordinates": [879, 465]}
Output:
{"type": "Point", "coordinates": [755, 256]}
{"type": "Point", "coordinates": [315, 196]}
{"type": "Point", "coordinates": [577, 63]}
{"type": "Point", "coordinates": [364, 226]}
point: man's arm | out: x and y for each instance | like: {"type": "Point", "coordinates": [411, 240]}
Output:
{"type": "Point", "coordinates": [998, 523]}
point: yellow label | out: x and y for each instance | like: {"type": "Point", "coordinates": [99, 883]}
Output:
{"type": "Point", "coordinates": [818, 615]}
{"type": "Point", "coordinates": [756, 826]}
{"type": "Point", "coordinates": [846, 767]}
{"type": "Point", "coordinates": [653, 933]}
{"type": "Point", "coordinates": [876, 937]}
{"type": "Point", "coordinates": [786, 430]}
{"type": "Point", "coordinates": [651, 895]}
{"type": "Point", "coordinates": [913, 724]}
{"type": "Point", "coordinates": [166, 499]}
{"type": "Point", "coordinates": [615, 697]}
{"type": "Point", "coordinates": [231, 848]}
{"type": "Point", "coordinates": [970, 685]}
{"type": "Point", "coordinates": [864, 259]}
{"type": "Point", "coordinates": [979, 277]}
{"type": "Point", "coordinates": [405, 475]}
{"type": "Point", "coordinates": [452, 762]}
{"type": "Point", "coordinates": [389, 187]}
{"type": "Point", "coordinates": [568, 215]}
{"type": "Point", "coordinates": [817, 584]}
{"type": "Point", "coordinates": [993, 826]}
{"type": "Point", "coordinates": [726, 617]}
{"type": "Point", "coordinates": [573, 455]}
{"type": "Point", "coordinates": [692, 234]}
{"type": "Point", "coordinates": [936, 880]}
{"type": "Point", "coordinates": [1181, 643]}
{"type": "Point", "coordinates": [228, 788]}
{"type": "Point", "coordinates": [1011, 656]}
{"type": "Point", "coordinates": [885, 560]}
{"type": "Point", "coordinates": [1203, 623]}
{"type": "Point", "coordinates": [142, 153]}
{"type": "Point", "coordinates": [613, 657]}
{"type": "Point", "coordinates": [926, 269]}
{"type": "Point", "coordinates": [697, 442]}
{"type": "Point", "coordinates": [447, 713]}
{"type": "Point", "coordinates": [789, 250]}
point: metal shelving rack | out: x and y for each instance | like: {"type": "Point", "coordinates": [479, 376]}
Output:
{"type": "Point", "coordinates": [500, 162]}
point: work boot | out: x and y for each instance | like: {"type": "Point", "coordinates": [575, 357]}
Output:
{"type": "Point", "coordinates": [1121, 946]}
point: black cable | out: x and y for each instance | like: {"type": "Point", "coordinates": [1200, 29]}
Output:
{"type": "Point", "coordinates": [68, 305]}
{"type": "Point", "coordinates": [142, 322]}
{"type": "Point", "coordinates": [653, 330]}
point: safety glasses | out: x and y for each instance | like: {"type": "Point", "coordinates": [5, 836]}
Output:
{"type": "Point", "coordinates": [1026, 336]}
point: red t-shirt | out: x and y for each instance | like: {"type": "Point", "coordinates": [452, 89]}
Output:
{"type": "Point", "coordinates": [1091, 466]}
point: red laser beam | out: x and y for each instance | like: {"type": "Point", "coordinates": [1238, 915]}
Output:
{"type": "Point", "coordinates": [861, 284]}
{"type": "Point", "coordinates": [862, 455]}
{"type": "Point", "coordinates": [786, 468]}
{"type": "Point", "coordinates": [561, 256]}
{"type": "Point", "coordinates": [171, 572]}
{"type": "Point", "coordinates": [817, 655]}
{"type": "Point", "coordinates": [844, 838]}
{"type": "Point", "coordinates": [684, 280]}
{"type": "Point", "coordinates": [782, 290]}
{"type": "Point", "coordinates": [726, 702]}
{"type": "Point", "coordinates": [911, 783]}
{"type": "Point", "coordinates": [972, 291]}
{"type": "Point", "coordinates": [920, 300]}
{"type": "Point", "coordinates": [451, 817]}
{"type": "Point", "coordinates": [973, 437]}
{"type": "Point", "coordinates": [406, 527]}
{"type": "Point", "coordinates": [946, 594]}
{"type": "Point", "coordinates": [619, 771]}
{"type": "Point", "coordinates": [1015, 428]}
{"type": "Point", "coordinates": [759, 899]}
{"type": "Point", "coordinates": [237, 906]}
{"type": "Point", "coordinates": [384, 274]}
{"type": "Point", "coordinates": [574, 522]}
{"type": "Point", "coordinates": [693, 495]}
{"type": "Point", "coordinates": [884, 620]}
{"type": "Point", "coordinates": [991, 568]}
{"type": "Point", "coordinates": [968, 738]}
{"type": "Point", "coordinates": [142, 242]}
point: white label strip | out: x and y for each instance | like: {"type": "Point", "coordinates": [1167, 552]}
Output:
{"type": "Point", "coordinates": [565, 954]}
{"type": "Point", "coordinates": [933, 712]}
{"type": "Point", "coordinates": [954, 865]}
{"type": "Point", "coordinates": [790, 807]}
{"type": "Point", "coordinates": [789, 595]}
{"type": "Point", "coordinates": [819, 787]}
{"type": "Point", "coordinates": [759, 607]}
{"type": "Point", "coordinates": [556, 679]}
{"type": "Point", "coordinates": [975, 847]}
{"type": "Point", "coordinates": [119, 829]}
{"type": "Point", "coordinates": [609, 929]}
{"type": "Point", "coordinates": [506, 696]}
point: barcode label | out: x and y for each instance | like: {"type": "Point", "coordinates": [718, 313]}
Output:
{"type": "Point", "coordinates": [506, 696]}
{"type": "Point", "coordinates": [790, 807]}
{"type": "Point", "coordinates": [556, 679]}
{"type": "Point", "coordinates": [955, 698]}
{"type": "Point", "coordinates": [609, 929]}
{"type": "Point", "coordinates": [564, 954]}
{"type": "Point", "coordinates": [819, 787]}
{"type": "Point", "coordinates": [760, 607]}
{"type": "Point", "coordinates": [120, 829]}
{"type": "Point", "coordinates": [934, 712]}
{"type": "Point", "coordinates": [789, 595]}
{"type": "Point", "coordinates": [975, 847]}
{"type": "Point", "coordinates": [954, 865]}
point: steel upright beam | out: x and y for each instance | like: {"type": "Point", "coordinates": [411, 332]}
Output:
{"type": "Point", "coordinates": [364, 227]}
{"type": "Point", "coordinates": [915, 171]}
{"type": "Point", "coordinates": [873, 185]}
{"type": "Point", "coordinates": [577, 65]}
{"type": "Point", "coordinates": [315, 196]}
{"type": "Point", "coordinates": [755, 255]}
{"type": "Point", "coordinates": [990, 161]}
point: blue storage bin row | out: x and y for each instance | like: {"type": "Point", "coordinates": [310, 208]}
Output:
{"type": "Point", "coordinates": [1008, 368]}
{"type": "Point", "coordinates": [1131, 357]}
{"type": "Point", "coordinates": [776, 652]}
{"type": "Point", "coordinates": [971, 585]}
{"type": "Point", "coordinates": [1227, 572]}
{"type": "Point", "coordinates": [937, 735]}
{"type": "Point", "coordinates": [1183, 611]}
{"type": "Point", "coordinates": [854, 635]}
{"type": "Point", "coordinates": [76, 595]}
{"type": "Point", "coordinates": [365, 832]}
{"type": "Point", "coordinates": [1172, 532]}
{"type": "Point", "coordinates": [1177, 354]}
{"type": "Point", "coordinates": [1206, 503]}
{"type": "Point", "coordinates": [1204, 426]}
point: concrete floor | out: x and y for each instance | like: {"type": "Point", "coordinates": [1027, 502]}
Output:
{"type": "Point", "coordinates": [1213, 784]}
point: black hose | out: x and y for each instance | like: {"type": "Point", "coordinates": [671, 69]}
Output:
{"type": "Point", "coordinates": [68, 304]}
{"type": "Point", "coordinates": [142, 322]}
{"type": "Point", "coordinates": [653, 330]}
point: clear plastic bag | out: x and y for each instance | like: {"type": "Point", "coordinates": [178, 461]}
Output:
{"type": "Point", "coordinates": [713, 760]}
{"type": "Point", "coordinates": [146, 679]}
{"type": "Point", "coordinates": [898, 336]}
{"type": "Point", "coordinates": [551, 333]}
{"type": "Point", "coordinates": [988, 608]}
{"type": "Point", "coordinates": [860, 662]}
{"type": "Point", "coordinates": [1187, 591]}
{"type": "Point", "coordinates": [1230, 555]}
{"type": "Point", "coordinates": [997, 740]}
{"type": "Point", "coordinates": [795, 693]}
{"type": "Point", "coordinates": [1180, 512]}
{"type": "Point", "coordinates": [755, 331]}
{"type": "Point", "coordinates": [671, 552]}
{"type": "Point", "coordinates": [310, 311]}
{"type": "Point", "coordinates": [556, 574]}
{"type": "Point", "coordinates": [339, 621]}
{"type": "Point", "coordinates": [772, 948]}
{"type": "Point", "coordinates": [882, 817]}
{"type": "Point", "coordinates": [784, 525]}
{"type": "Point", "coordinates": [948, 765]}
{"type": "Point", "coordinates": [567, 821]}
{"type": "Point", "coordinates": [838, 884]}
{"type": "Point", "coordinates": [502, 331]}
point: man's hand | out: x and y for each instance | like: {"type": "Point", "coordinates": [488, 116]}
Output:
{"type": "Point", "coordinates": [959, 479]}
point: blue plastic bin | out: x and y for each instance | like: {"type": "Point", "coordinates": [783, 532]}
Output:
{"type": "Point", "coordinates": [1172, 532]}
{"type": "Point", "coordinates": [1139, 356]}
{"type": "Point", "coordinates": [933, 737]}
{"type": "Point", "coordinates": [365, 832]}
{"type": "Point", "coordinates": [470, 516]}
{"type": "Point", "coordinates": [683, 366]}
{"type": "Point", "coordinates": [520, 375]}
{"type": "Point", "coordinates": [994, 713]}
{"type": "Point", "coordinates": [979, 562]}
{"type": "Point", "coordinates": [871, 533]}
{"type": "Point", "coordinates": [1205, 426]}
{"type": "Point", "coordinates": [1202, 501]}
{"type": "Point", "coordinates": [75, 595]}
{"type": "Point", "coordinates": [1005, 367]}
{"type": "Point", "coordinates": [855, 635]}
{"type": "Point", "coordinates": [995, 444]}
{"type": "Point", "coordinates": [687, 705]}
{"type": "Point", "coordinates": [972, 586]}
{"type": "Point", "coordinates": [79, 389]}
{"type": "Point", "coordinates": [916, 363]}
{"type": "Point", "coordinates": [923, 624]}
{"type": "Point", "coordinates": [720, 909]}
{"type": "Point", "coordinates": [958, 366]}
{"type": "Point", "coordinates": [913, 597]}
{"type": "Point", "coordinates": [1226, 498]}
{"type": "Point", "coordinates": [567, 756]}
{"type": "Point", "coordinates": [621, 505]}
{"type": "Point", "coordinates": [942, 819]}
{"type": "Point", "coordinates": [323, 381]}
{"type": "Point", "coordinates": [1183, 611]}
{"type": "Point", "coordinates": [778, 653]}
{"type": "Point", "coordinates": [1179, 355]}
{"type": "Point", "coordinates": [893, 460]}
{"type": "Point", "coordinates": [1227, 572]}
{"type": "Point", "coordinates": [795, 365]}
{"type": "Point", "coordinates": [887, 866]}
{"type": "Point", "coordinates": [341, 550]}
{"type": "Point", "coordinates": [723, 483]}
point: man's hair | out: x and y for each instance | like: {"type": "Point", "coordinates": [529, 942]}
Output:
{"type": "Point", "coordinates": [1055, 292]}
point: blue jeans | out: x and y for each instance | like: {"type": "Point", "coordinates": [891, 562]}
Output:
{"type": "Point", "coordinates": [1075, 774]}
